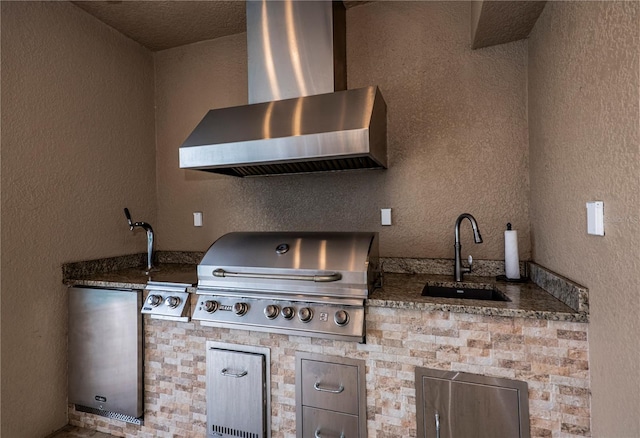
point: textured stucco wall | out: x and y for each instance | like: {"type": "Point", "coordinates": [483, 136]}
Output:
{"type": "Point", "coordinates": [77, 146]}
{"type": "Point", "coordinates": [457, 134]}
{"type": "Point", "coordinates": [499, 22]}
{"type": "Point", "coordinates": [585, 145]}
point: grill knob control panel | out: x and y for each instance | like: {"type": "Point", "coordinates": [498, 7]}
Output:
{"type": "Point", "coordinates": [341, 318]}
{"type": "Point", "coordinates": [173, 301]}
{"type": "Point", "coordinates": [271, 311]}
{"type": "Point", "coordinates": [240, 308]}
{"type": "Point", "coordinates": [211, 306]}
{"type": "Point", "coordinates": [331, 320]}
{"type": "Point", "coordinates": [167, 301]}
{"type": "Point", "coordinates": [288, 312]}
{"type": "Point", "coordinates": [305, 314]}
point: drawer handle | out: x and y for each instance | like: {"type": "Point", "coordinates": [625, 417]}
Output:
{"type": "Point", "coordinates": [338, 390]}
{"type": "Point", "coordinates": [316, 434]}
{"type": "Point", "coordinates": [225, 372]}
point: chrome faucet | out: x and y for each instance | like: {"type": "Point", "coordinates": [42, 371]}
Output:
{"type": "Point", "coordinates": [149, 231]}
{"type": "Point", "coordinates": [458, 269]}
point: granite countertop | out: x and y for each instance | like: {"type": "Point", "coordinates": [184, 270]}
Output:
{"type": "Point", "coordinates": [560, 300]}
{"type": "Point", "coordinates": [137, 278]}
{"type": "Point", "coordinates": [403, 291]}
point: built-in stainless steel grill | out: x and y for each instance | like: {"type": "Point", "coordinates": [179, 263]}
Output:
{"type": "Point", "coordinates": [302, 283]}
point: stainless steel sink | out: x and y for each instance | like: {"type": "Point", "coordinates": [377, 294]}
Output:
{"type": "Point", "coordinates": [463, 293]}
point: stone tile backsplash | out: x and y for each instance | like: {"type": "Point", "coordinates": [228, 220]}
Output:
{"type": "Point", "coordinates": [551, 356]}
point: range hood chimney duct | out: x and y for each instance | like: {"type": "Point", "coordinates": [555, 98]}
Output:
{"type": "Point", "coordinates": [300, 117]}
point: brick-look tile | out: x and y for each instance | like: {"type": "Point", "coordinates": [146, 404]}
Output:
{"type": "Point", "coordinates": [578, 335]}
{"type": "Point", "coordinates": [551, 356]}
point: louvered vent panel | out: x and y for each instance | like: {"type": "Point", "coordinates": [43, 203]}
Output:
{"type": "Point", "coordinates": [109, 414]}
{"type": "Point", "coordinates": [222, 431]}
{"type": "Point", "coordinates": [301, 167]}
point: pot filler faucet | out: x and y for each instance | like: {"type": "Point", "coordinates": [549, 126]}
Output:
{"type": "Point", "coordinates": [149, 231]}
{"type": "Point", "coordinates": [458, 269]}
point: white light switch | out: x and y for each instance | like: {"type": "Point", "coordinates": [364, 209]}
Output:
{"type": "Point", "coordinates": [197, 218]}
{"type": "Point", "coordinates": [595, 218]}
{"type": "Point", "coordinates": [385, 216]}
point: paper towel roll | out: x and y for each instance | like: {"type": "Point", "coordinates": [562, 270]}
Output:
{"type": "Point", "coordinates": [511, 260]}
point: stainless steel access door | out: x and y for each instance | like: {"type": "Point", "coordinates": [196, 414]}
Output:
{"type": "Point", "coordinates": [453, 404]}
{"type": "Point", "coordinates": [236, 394]}
{"type": "Point", "coordinates": [105, 350]}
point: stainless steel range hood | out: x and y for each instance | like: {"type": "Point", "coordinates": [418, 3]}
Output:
{"type": "Point", "coordinates": [300, 117]}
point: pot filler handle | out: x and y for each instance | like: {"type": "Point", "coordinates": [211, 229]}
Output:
{"type": "Point", "coordinates": [334, 276]}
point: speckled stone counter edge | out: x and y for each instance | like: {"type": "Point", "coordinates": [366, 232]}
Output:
{"type": "Point", "coordinates": [567, 291]}
{"type": "Point", "coordinates": [87, 268]}
{"type": "Point", "coordinates": [481, 268]}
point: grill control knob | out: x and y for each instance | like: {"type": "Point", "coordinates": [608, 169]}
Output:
{"type": "Point", "coordinates": [288, 312]}
{"type": "Point", "coordinates": [305, 314]}
{"type": "Point", "coordinates": [240, 308]}
{"type": "Point", "coordinates": [154, 300]}
{"type": "Point", "coordinates": [271, 311]}
{"type": "Point", "coordinates": [173, 302]}
{"type": "Point", "coordinates": [210, 306]}
{"type": "Point", "coordinates": [341, 318]}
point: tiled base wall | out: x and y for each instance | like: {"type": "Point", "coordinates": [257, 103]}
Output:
{"type": "Point", "coordinates": [551, 356]}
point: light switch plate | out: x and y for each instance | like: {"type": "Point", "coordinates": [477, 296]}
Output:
{"type": "Point", "coordinates": [197, 218]}
{"type": "Point", "coordinates": [595, 218]}
{"type": "Point", "coordinates": [385, 216]}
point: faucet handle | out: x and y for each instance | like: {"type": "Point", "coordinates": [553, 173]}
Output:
{"type": "Point", "coordinates": [470, 260]}
{"type": "Point", "coordinates": [128, 216]}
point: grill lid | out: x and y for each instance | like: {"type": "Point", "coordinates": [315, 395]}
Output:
{"type": "Point", "coordinates": [328, 263]}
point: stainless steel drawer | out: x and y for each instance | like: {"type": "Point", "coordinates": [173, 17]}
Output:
{"type": "Point", "coordinates": [330, 397]}
{"type": "Point", "coordinates": [320, 423]}
{"type": "Point", "coordinates": [330, 385]}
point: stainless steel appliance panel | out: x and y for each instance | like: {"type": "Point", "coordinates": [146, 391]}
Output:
{"type": "Point", "coordinates": [302, 283]}
{"type": "Point", "coordinates": [168, 301]}
{"type": "Point", "coordinates": [330, 386]}
{"type": "Point", "coordinates": [236, 394]}
{"type": "Point", "coordinates": [319, 423]}
{"type": "Point", "coordinates": [323, 317]}
{"type": "Point", "coordinates": [452, 405]}
{"type": "Point", "coordinates": [106, 350]}
{"type": "Point", "coordinates": [290, 47]}
{"type": "Point", "coordinates": [295, 122]}
{"type": "Point", "coordinates": [297, 132]}
{"type": "Point", "coordinates": [330, 396]}
{"type": "Point", "coordinates": [328, 264]}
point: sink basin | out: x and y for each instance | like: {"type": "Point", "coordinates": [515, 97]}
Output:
{"type": "Point", "coordinates": [463, 292]}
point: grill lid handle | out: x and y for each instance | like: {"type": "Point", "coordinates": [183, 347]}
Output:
{"type": "Point", "coordinates": [334, 276]}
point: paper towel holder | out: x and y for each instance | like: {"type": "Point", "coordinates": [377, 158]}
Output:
{"type": "Point", "coordinates": [523, 278]}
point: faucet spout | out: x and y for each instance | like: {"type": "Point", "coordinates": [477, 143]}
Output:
{"type": "Point", "coordinates": [459, 270]}
{"type": "Point", "coordinates": [147, 227]}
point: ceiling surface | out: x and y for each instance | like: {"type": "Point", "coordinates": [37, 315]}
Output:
{"type": "Point", "coordinates": [160, 25]}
